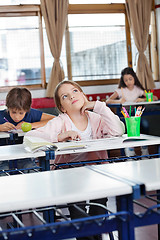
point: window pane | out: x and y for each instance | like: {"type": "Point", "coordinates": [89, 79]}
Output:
{"type": "Point", "coordinates": [98, 46]}
{"type": "Point", "coordinates": [95, 1]}
{"type": "Point", "coordinates": [17, 2]}
{"type": "Point", "coordinates": [19, 51]}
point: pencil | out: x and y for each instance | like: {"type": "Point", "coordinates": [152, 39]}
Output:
{"type": "Point", "coordinates": [142, 111]}
{"type": "Point", "coordinates": [8, 121]}
{"type": "Point", "coordinates": [130, 111]}
{"type": "Point", "coordinates": [126, 113]}
{"type": "Point", "coordinates": [122, 92]}
{"type": "Point", "coordinates": [123, 114]}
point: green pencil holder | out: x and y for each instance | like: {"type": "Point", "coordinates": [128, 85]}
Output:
{"type": "Point", "coordinates": [133, 126]}
{"type": "Point", "coordinates": [149, 97]}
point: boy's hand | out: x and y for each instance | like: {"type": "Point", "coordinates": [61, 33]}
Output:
{"type": "Point", "coordinates": [19, 125]}
{"type": "Point", "coordinates": [7, 126]}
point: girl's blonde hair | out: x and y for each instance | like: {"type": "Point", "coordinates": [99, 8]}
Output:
{"type": "Point", "coordinates": [56, 95]}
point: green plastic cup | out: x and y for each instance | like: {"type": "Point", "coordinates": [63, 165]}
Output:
{"type": "Point", "coordinates": [149, 97]}
{"type": "Point", "coordinates": [133, 126]}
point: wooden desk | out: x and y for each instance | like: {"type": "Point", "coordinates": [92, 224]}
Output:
{"type": "Point", "coordinates": [147, 105]}
{"type": "Point", "coordinates": [150, 117]}
{"type": "Point", "coordinates": [4, 135]}
{"type": "Point", "coordinates": [11, 152]}
{"type": "Point", "coordinates": [72, 185]}
{"type": "Point", "coordinates": [110, 144]}
{"type": "Point", "coordinates": [11, 137]}
{"type": "Point", "coordinates": [56, 187]}
{"type": "Point", "coordinates": [143, 171]}
{"type": "Point", "coordinates": [49, 188]}
{"type": "Point", "coordinates": [141, 103]}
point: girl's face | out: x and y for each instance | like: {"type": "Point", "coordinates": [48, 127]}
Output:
{"type": "Point", "coordinates": [71, 98]}
{"type": "Point", "coordinates": [17, 115]}
{"type": "Point", "coordinates": [129, 81]}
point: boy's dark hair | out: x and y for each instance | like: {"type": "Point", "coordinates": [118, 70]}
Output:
{"type": "Point", "coordinates": [19, 98]}
{"type": "Point", "coordinates": [56, 96]}
{"type": "Point", "coordinates": [126, 71]}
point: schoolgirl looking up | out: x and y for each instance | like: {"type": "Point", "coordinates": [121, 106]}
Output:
{"type": "Point", "coordinates": [77, 123]}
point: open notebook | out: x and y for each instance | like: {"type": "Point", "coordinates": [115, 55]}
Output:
{"type": "Point", "coordinates": [33, 144]}
{"type": "Point", "coordinates": [130, 139]}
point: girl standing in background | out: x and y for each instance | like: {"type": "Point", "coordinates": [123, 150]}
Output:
{"type": "Point", "coordinates": [131, 90]}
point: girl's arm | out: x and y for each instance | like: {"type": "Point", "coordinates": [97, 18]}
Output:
{"type": "Point", "coordinates": [44, 119]}
{"type": "Point", "coordinates": [50, 131]}
{"type": "Point", "coordinates": [113, 99]}
{"type": "Point", "coordinates": [113, 125]}
{"type": "Point", "coordinates": [155, 98]}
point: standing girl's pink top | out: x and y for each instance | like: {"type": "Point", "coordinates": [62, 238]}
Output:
{"type": "Point", "coordinates": [104, 124]}
{"type": "Point", "coordinates": [130, 95]}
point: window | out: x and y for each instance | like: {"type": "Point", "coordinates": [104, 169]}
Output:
{"type": "Point", "coordinates": [21, 57]}
{"type": "Point", "coordinates": [95, 1]}
{"type": "Point", "coordinates": [17, 2]}
{"type": "Point", "coordinates": [98, 46]}
{"type": "Point", "coordinates": [97, 43]}
{"type": "Point", "coordinates": [19, 51]}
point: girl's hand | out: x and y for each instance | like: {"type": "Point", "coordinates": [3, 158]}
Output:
{"type": "Point", "coordinates": [7, 126]}
{"type": "Point", "coordinates": [88, 105]}
{"type": "Point", "coordinates": [69, 135]}
{"type": "Point", "coordinates": [155, 98]}
{"type": "Point", "coordinates": [122, 100]}
{"type": "Point", "coordinates": [141, 100]}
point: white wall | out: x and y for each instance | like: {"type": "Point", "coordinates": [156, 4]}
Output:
{"type": "Point", "coordinates": [87, 90]}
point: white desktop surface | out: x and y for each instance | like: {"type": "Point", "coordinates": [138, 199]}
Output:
{"type": "Point", "coordinates": [4, 135]}
{"type": "Point", "coordinates": [140, 103]}
{"type": "Point", "coordinates": [142, 171]}
{"type": "Point", "coordinates": [109, 144]}
{"type": "Point", "coordinates": [20, 192]}
{"type": "Point", "coordinates": [7, 134]}
{"type": "Point", "coordinates": [18, 151]}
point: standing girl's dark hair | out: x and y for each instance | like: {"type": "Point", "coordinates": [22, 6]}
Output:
{"type": "Point", "coordinates": [127, 71]}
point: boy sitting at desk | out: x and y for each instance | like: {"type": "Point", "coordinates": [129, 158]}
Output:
{"type": "Point", "coordinates": [18, 102]}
